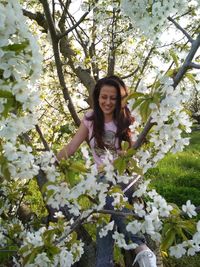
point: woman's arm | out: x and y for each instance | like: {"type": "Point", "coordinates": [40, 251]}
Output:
{"type": "Point", "coordinates": [69, 149]}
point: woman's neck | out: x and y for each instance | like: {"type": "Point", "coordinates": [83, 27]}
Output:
{"type": "Point", "coordinates": [108, 118]}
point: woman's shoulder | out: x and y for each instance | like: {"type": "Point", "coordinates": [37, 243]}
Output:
{"type": "Point", "coordinates": [88, 114]}
{"type": "Point", "coordinates": [87, 118]}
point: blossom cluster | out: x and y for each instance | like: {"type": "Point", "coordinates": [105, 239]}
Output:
{"type": "Point", "coordinates": [156, 210]}
{"type": "Point", "coordinates": [62, 194]}
{"type": "Point", "coordinates": [20, 66]}
{"type": "Point", "coordinates": [66, 255]}
{"type": "Point", "coordinates": [20, 161]}
{"type": "Point", "coordinates": [47, 161]}
{"type": "Point", "coordinates": [170, 119]}
{"type": "Point", "coordinates": [153, 213]}
{"type": "Point", "coordinates": [151, 16]}
{"type": "Point", "coordinates": [188, 247]}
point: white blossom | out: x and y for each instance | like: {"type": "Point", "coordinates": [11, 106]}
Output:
{"type": "Point", "coordinates": [189, 209]}
{"type": "Point", "coordinates": [134, 227]}
{"type": "Point", "coordinates": [66, 258]}
{"type": "Point", "coordinates": [139, 209]}
{"type": "Point", "coordinates": [106, 228]}
{"type": "Point", "coordinates": [178, 251]}
{"type": "Point", "coordinates": [42, 260]}
{"type": "Point", "coordinates": [120, 241]}
{"type": "Point", "coordinates": [142, 189]}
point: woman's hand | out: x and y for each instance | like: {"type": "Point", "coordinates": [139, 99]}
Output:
{"type": "Point", "coordinates": [62, 154]}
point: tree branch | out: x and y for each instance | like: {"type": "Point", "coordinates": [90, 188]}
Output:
{"type": "Point", "coordinates": [55, 40]}
{"type": "Point", "coordinates": [120, 213]}
{"type": "Point", "coordinates": [61, 35]}
{"type": "Point", "coordinates": [80, 220]}
{"type": "Point", "coordinates": [143, 134]}
{"type": "Point", "coordinates": [46, 146]}
{"type": "Point", "coordinates": [112, 46]}
{"type": "Point", "coordinates": [190, 39]}
{"type": "Point", "coordinates": [194, 65]}
{"type": "Point", "coordinates": [132, 73]}
{"type": "Point", "coordinates": [187, 62]}
{"type": "Point", "coordinates": [144, 65]}
{"type": "Point", "coordinates": [38, 17]}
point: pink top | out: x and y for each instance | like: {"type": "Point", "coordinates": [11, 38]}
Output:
{"type": "Point", "coordinates": [109, 139]}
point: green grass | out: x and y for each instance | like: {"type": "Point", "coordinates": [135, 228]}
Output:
{"type": "Point", "coordinates": [177, 176]}
{"type": "Point", "coordinates": [191, 261]}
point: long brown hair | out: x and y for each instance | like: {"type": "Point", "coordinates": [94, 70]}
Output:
{"type": "Point", "coordinates": [121, 119]}
{"type": "Point", "coordinates": [126, 119]}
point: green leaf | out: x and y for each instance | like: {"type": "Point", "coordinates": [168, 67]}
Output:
{"type": "Point", "coordinates": [171, 72]}
{"type": "Point", "coordinates": [135, 95]}
{"type": "Point", "coordinates": [132, 166]}
{"type": "Point", "coordinates": [53, 250]}
{"type": "Point", "coordinates": [65, 129]}
{"type": "Point", "coordinates": [174, 56]}
{"type": "Point", "coordinates": [31, 256]}
{"type": "Point", "coordinates": [116, 189]}
{"type": "Point", "coordinates": [48, 236]}
{"type": "Point", "coordinates": [176, 210]}
{"type": "Point", "coordinates": [23, 249]}
{"type": "Point", "coordinates": [5, 94]}
{"type": "Point", "coordinates": [16, 47]}
{"type": "Point", "coordinates": [190, 77]}
{"type": "Point", "coordinates": [4, 168]}
{"type": "Point", "coordinates": [145, 111]}
{"type": "Point", "coordinates": [166, 227]}
{"type": "Point", "coordinates": [169, 239]}
{"type": "Point", "coordinates": [138, 102]}
{"type": "Point", "coordinates": [44, 187]}
{"type": "Point", "coordinates": [78, 167]}
{"type": "Point", "coordinates": [156, 98]}
{"type": "Point", "coordinates": [130, 152]}
{"type": "Point", "coordinates": [125, 145]}
{"type": "Point", "coordinates": [49, 193]}
{"type": "Point", "coordinates": [179, 232]}
{"type": "Point", "coordinates": [8, 106]}
{"type": "Point", "coordinates": [187, 225]}
{"type": "Point", "coordinates": [71, 178]}
{"type": "Point", "coordinates": [120, 165]}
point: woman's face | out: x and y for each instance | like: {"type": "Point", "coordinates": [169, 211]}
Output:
{"type": "Point", "coordinates": [108, 99]}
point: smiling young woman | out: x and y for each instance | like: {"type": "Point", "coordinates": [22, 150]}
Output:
{"type": "Point", "coordinates": [106, 126]}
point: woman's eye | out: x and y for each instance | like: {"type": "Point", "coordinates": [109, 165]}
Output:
{"type": "Point", "coordinates": [107, 97]}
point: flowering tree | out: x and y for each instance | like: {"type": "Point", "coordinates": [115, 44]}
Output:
{"type": "Point", "coordinates": [72, 197]}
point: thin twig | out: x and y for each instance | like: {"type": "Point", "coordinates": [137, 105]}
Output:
{"type": "Point", "coordinates": [191, 40]}
{"type": "Point", "coordinates": [131, 74]}
{"type": "Point", "coordinates": [46, 146]}
{"type": "Point", "coordinates": [120, 213]}
{"type": "Point", "coordinates": [75, 225]}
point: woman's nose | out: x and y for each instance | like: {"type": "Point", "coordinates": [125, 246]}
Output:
{"type": "Point", "coordinates": [108, 100]}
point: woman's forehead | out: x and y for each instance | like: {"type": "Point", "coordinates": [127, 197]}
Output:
{"type": "Point", "coordinates": [108, 89]}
